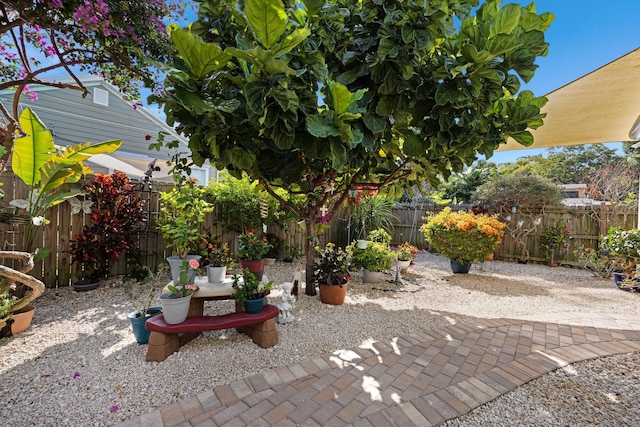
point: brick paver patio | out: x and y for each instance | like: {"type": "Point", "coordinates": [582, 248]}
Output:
{"type": "Point", "coordinates": [414, 380]}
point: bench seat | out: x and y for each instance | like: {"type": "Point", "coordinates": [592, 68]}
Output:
{"type": "Point", "coordinates": [166, 339]}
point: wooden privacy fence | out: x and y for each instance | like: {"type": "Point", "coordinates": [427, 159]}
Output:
{"type": "Point", "coordinates": [585, 223]}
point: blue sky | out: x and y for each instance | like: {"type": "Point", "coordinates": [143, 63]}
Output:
{"type": "Point", "coordinates": [584, 36]}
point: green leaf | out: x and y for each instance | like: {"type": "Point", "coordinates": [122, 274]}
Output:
{"type": "Point", "coordinates": [414, 146]}
{"type": "Point", "coordinates": [31, 151]}
{"type": "Point", "coordinates": [506, 20]}
{"type": "Point", "coordinates": [375, 123]}
{"type": "Point", "coordinates": [338, 155]}
{"type": "Point", "coordinates": [201, 58]}
{"type": "Point", "coordinates": [313, 6]}
{"type": "Point", "coordinates": [318, 127]}
{"type": "Point", "coordinates": [291, 41]}
{"type": "Point", "coordinates": [267, 18]}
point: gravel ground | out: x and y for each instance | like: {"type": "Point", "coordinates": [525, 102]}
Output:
{"type": "Point", "coordinates": [79, 365]}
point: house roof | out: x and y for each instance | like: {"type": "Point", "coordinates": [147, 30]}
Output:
{"type": "Point", "coordinates": [601, 106]}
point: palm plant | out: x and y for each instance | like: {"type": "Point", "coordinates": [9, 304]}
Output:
{"type": "Point", "coordinates": [373, 212]}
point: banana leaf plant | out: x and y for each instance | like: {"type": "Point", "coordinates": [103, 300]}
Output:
{"type": "Point", "coordinates": [45, 168]}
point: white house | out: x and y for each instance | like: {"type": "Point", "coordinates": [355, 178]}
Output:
{"type": "Point", "coordinates": [105, 115]}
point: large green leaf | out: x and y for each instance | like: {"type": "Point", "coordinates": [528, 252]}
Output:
{"type": "Point", "coordinates": [81, 152]}
{"type": "Point", "coordinates": [318, 127]}
{"type": "Point", "coordinates": [267, 18]}
{"type": "Point", "coordinates": [33, 150]}
{"type": "Point", "coordinates": [291, 41]}
{"type": "Point", "coordinates": [506, 20]}
{"type": "Point", "coordinates": [201, 58]}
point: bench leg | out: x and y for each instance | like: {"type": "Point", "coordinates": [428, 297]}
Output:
{"type": "Point", "coordinates": [161, 346]}
{"type": "Point", "coordinates": [265, 334]}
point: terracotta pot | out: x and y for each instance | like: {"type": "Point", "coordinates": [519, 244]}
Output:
{"type": "Point", "coordinates": [333, 294]}
{"type": "Point", "coordinates": [490, 256]}
{"type": "Point", "coordinates": [256, 267]}
{"type": "Point", "coordinates": [22, 319]}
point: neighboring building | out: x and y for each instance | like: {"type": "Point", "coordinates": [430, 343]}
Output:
{"type": "Point", "coordinates": [103, 115]}
{"type": "Point", "coordinates": [576, 195]}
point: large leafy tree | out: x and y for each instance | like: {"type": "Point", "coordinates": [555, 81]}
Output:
{"type": "Point", "coordinates": [322, 97]}
{"type": "Point", "coordinates": [112, 38]}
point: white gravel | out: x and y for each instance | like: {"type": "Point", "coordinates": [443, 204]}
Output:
{"type": "Point", "coordinates": [78, 364]}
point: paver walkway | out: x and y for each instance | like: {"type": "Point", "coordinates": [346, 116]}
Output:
{"type": "Point", "coordinates": [415, 380]}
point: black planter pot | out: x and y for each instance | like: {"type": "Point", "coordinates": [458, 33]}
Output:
{"type": "Point", "coordinates": [85, 285]}
{"type": "Point", "coordinates": [459, 268]}
{"type": "Point", "coordinates": [618, 278]}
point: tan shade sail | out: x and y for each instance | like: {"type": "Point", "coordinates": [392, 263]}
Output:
{"type": "Point", "coordinates": [602, 106]}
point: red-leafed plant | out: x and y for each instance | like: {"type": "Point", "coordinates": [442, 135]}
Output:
{"type": "Point", "coordinates": [116, 213]}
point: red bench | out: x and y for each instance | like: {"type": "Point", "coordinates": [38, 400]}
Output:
{"type": "Point", "coordinates": [166, 339]}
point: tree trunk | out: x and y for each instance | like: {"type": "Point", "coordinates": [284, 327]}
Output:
{"type": "Point", "coordinates": [310, 250]}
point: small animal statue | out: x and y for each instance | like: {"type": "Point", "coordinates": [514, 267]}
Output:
{"type": "Point", "coordinates": [287, 304]}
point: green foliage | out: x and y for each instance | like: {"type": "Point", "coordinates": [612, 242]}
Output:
{"type": "Point", "coordinates": [526, 193]}
{"type": "Point", "coordinates": [251, 247]}
{"type": "Point", "coordinates": [373, 213]}
{"type": "Point", "coordinates": [6, 302]}
{"type": "Point", "coordinates": [380, 235]}
{"type": "Point", "coordinates": [319, 100]}
{"type": "Point", "coordinates": [574, 164]}
{"type": "Point", "coordinates": [249, 287]}
{"type": "Point", "coordinates": [183, 210]}
{"type": "Point", "coordinates": [555, 240]}
{"type": "Point", "coordinates": [463, 236]}
{"type": "Point", "coordinates": [459, 188]}
{"type": "Point", "coordinates": [44, 169]}
{"type": "Point", "coordinates": [624, 246]}
{"type": "Point", "coordinates": [598, 261]}
{"type": "Point", "coordinates": [375, 257]}
{"type": "Point", "coordinates": [332, 265]}
{"type": "Point", "coordinates": [238, 204]}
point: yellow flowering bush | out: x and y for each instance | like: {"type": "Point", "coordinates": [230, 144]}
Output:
{"type": "Point", "coordinates": [463, 236]}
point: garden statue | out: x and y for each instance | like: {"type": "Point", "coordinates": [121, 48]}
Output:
{"type": "Point", "coordinates": [287, 304]}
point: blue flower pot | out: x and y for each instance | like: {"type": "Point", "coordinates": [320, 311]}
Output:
{"type": "Point", "coordinates": [137, 324]}
{"type": "Point", "coordinates": [253, 306]}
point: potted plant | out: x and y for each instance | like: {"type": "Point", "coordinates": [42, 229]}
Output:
{"type": "Point", "coordinates": [142, 293]}
{"type": "Point", "coordinates": [624, 247]}
{"type": "Point", "coordinates": [374, 259]}
{"type": "Point", "coordinates": [598, 261]}
{"type": "Point", "coordinates": [462, 236]}
{"type": "Point", "coordinates": [183, 210]}
{"type": "Point", "coordinates": [331, 273]}
{"type": "Point", "coordinates": [404, 255]}
{"type": "Point", "coordinates": [380, 235]}
{"type": "Point", "coordinates": [116, 212]}
{"type": "Point", "coordinates": [250, 291]}
{"type": "Point", "coordinates": [16, 312]}
{"type": "Point", "coordinates": [219, 260]}
{"type": "Point", "coordinates": [555, 241]}
{"type": "Point", "coordinates": [175, 303]}
{"type": "Point", "coordinates": [251, 251]}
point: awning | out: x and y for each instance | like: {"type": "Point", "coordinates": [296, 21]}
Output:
{"type": "Point", "coordinates": [602, 106]}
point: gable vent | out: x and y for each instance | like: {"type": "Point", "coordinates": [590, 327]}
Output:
{"type": "Point", "coordinates": [100, 97]}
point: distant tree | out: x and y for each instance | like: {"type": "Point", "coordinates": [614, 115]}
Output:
{"type": "Point", "coordinates": [460, 187]}
{"type": "Point", "coordinates": [573, 164]}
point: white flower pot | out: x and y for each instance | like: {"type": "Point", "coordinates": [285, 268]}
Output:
{"type": "Point", "coordinates": [404, 265]}
{"type": "Point", "coordinates": [175, 262]}
{"type": "Point", "coordinates": [175, 310]}
{"type": "Point", "coordinates": [371, 276]}
{"type": "Point", "coordinates": [362, 244]}
{"type": "Point", "coordinates": [216, 274]}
